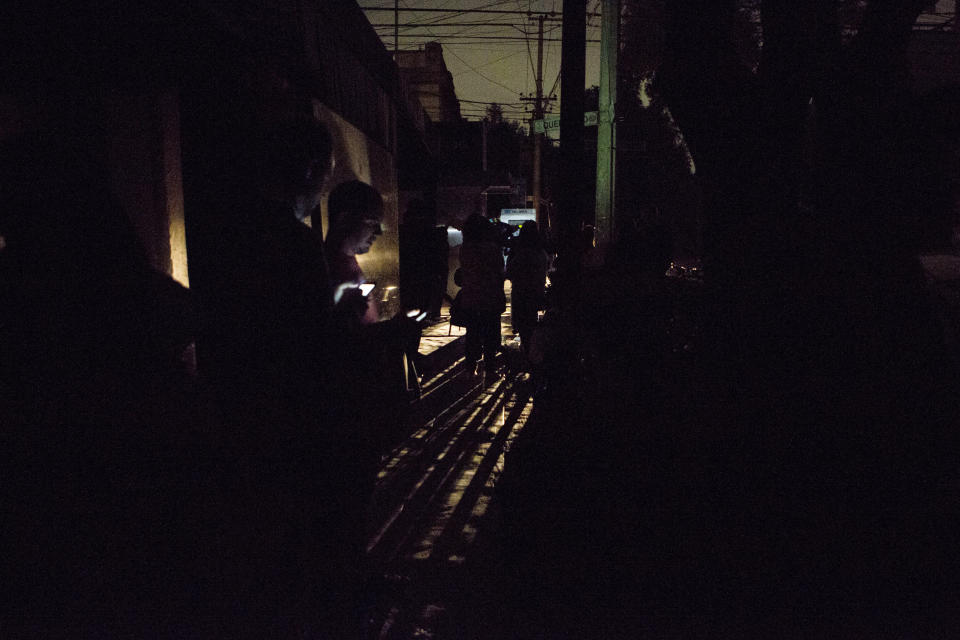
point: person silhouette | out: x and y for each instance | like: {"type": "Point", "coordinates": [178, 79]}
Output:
{"type": "Point", "coordinates": [527, 272]}
{"type": "Point", "coordinates": [482, 296]}
{"type": "Point", "coordinates": [355, 216]}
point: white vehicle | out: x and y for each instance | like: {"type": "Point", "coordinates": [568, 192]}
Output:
{"type": "Point", "coordinates": [516, 217]}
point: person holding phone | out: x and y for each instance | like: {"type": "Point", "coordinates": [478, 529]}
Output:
{"type": "Point", "coordinates": [355, 216]}
{"type": "Point", "coordinates": [384, 351]}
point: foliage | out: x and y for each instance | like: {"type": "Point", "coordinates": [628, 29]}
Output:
{"type": "Point", "coordinates": [777, 102]}
{"type": "Point", "coordinates": [494, 113]}
{"type": "Point", "coordinates": [508, 147]}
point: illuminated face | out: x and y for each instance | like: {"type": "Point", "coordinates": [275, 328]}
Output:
{"type": "Point", "coordinates": [363, 233]}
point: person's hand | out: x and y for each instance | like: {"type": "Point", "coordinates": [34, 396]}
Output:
{"type": "Point", "coordinates": [416, 315]}
{"type": "Point", "coordinates": [349, 300]}
{"type": "Point", "coordinates": [410, 329]}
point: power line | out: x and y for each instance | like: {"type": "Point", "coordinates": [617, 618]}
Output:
{"type": "Point", "coordinates": [511, 110]}
{"type": "Point", "coordinates": [478, 46]}
{"type": "Point", "coordinates": [529, 52]}
{"type": "Point", "coordinates": [485, 27]}
{"type": "Point", "coordinates": [508, 105]}
{"type": "Point", "coordinates": [462, 11]}
{"type": "Point", "coordinates": [469, 66]}
{"type": "Point", "coordinates": [487, 64]}
{"type": "Point", "coordinates": [439, 19]}
{"type": "Point", "coordinates": [555, 83]}
{"type": "Point", "coordinates": [470, 31]}
{"type": "Point", "coordinates": [420, 25]}
{"type": "Point", "coordinates": [503, 38]}
{"type": "Point", "coordinates": [483, 105]}
{"type": "Point", "coordinates": [499, 84]}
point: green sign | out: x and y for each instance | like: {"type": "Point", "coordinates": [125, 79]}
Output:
{"type": "Point", "coordinates": [551, 124]}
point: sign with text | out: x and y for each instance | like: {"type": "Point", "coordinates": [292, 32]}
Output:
{"type": "Point", "coordinates": [553, 124]}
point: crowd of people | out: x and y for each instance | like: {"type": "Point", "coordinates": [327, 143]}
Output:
{"type": "Point", "coordinates": [190, 462]}
{"type": "Point", "coordinates": [197, 462]}
{"type": "Point", "coordinates": [709, 460]}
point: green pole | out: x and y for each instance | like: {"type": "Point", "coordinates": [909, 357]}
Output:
{"type": "Point", "coordinates": [538, 137]}
{"type": "Point", "coordinates": [606, 127]}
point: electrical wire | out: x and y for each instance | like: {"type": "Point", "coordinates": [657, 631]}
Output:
{"type": "Point", "coordinates": [485, 77]}
{"type": "Point", "coordinates": [473, 29]}
{"type": "Point", "coordinates": [487, 64]}
{"type": "Point", "coordinates": [499, 84]}
{"type": "Point", "coordinates": [519, 39]}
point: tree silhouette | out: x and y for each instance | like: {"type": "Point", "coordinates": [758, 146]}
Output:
{"type": "Point", "coordinates": [508, 147]}
{"type": "Point", "coordinates": [781, 104]}
{"type": "Point", "coordinates": [494, 113]}
{"type": "Point", "coordinates": [814, 161]}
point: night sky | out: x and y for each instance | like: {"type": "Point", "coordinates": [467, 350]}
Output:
{"type": "Point", "coordinates": [486, 70]}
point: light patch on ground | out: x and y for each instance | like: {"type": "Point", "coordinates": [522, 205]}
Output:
{"type": "Point", "coordinates": [439, 528]}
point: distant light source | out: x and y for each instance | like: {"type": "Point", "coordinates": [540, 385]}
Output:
{"type": "Point", "coordinates": [454, 237]}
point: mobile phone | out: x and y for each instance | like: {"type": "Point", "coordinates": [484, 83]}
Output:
{"type": "Point", "coordinates": [416, 315]}
{"type": "Point", "coordinates": [366, 288]}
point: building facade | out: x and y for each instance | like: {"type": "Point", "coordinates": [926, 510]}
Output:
{"type": "Point", "coordinates": [425, 72]}
{"type": "Point", "coordinates": [158, 91]}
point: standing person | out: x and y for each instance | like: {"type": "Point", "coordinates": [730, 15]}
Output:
{"type": "Point", "coordinates": [102, 437]}
{"type": "Point", "coordinates": [385, 351]}
{"type": "Point", "coordinates": [481, 262]}
{"type": "Point", "coordinates": [424, 254]}
{"type": "Point", "coordinates": [527, 272]}
{"type": "Point", "coordinates": [355, 212]}
{"type": "Point", "coordinates": [355, 217]}
{"type": "Point", "coordinates": [289, 504]}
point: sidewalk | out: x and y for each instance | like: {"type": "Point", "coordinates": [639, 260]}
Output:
{"type": "Point", "coordinates": [434, 512]}
{"type": "Point", "coordinates": [442, 333]}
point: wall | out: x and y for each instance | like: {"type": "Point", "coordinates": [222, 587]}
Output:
{"type": "Point", "coordinates": [145, 174]}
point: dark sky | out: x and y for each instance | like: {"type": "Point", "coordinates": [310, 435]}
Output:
{"type": "Point", "coordinates": [488, 70]}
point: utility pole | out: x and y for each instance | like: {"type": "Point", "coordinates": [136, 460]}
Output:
{"type": "Point", "coordinates": [607, 128]}
{"type": "Point", "coordinates": [538, 110]}
{"type": "Point", "coordinates": [573, 62]}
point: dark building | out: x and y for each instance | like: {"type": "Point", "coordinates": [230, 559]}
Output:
{"type": "Point", "coordinates": [155, 87]}
{"type": "Point", "coordinates": [425, 72]}
{"type": "Point", "coordinates": [934, 58]}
